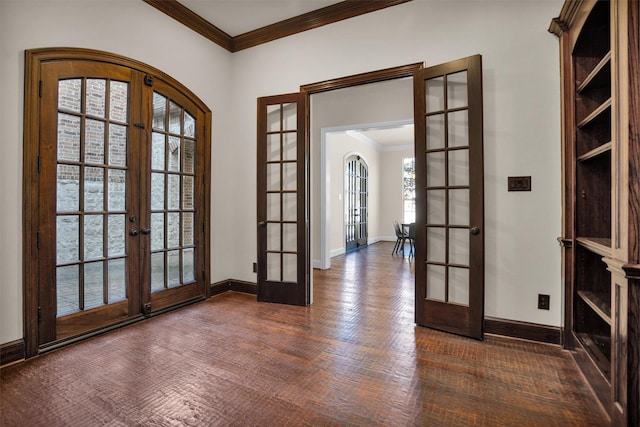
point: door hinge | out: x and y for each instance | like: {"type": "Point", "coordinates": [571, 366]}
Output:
{"type": "Point", "coordinates": [139, 125]}
{"type": "Point", "coordinates": [38, 239]}
{"type": "Point", "coordinates": [204, 275]}
{"type": "Point", "coordinates": [148, 80]}
{"type": "Point", "coordinates": [39, 314]}
{"type": "Point", "coordinates": [40, 89]}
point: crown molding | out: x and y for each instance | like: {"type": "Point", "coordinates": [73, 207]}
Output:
{"type": "Point", "coordinates": [568, 12]}
{"type": "Point", "coordinates": [314, 19]}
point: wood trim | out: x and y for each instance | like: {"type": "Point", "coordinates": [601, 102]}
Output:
{"type": "Point", "coordinates": [363, 78]}
{"type": "Point", "coordinates": [523, 330]}
{"type": "Point", "coordinates": [314, 19]}
{"type": "Point", "coordinates": [233, 285]}
{"type": "Point", "coordinates": [562, 22]}
{"type": "Point", "coordinates": [11, 352]}
{"type": "Point", "coordinates": [307, 21]}
{"type": "Point", "coordinates": [186, 16]}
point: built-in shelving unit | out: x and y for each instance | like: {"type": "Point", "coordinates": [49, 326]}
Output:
{"type": "Point", "coordinates": [601, 210]}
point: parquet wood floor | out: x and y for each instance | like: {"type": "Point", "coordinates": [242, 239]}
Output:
{"type": "Point", "coordinates": [354, 357]}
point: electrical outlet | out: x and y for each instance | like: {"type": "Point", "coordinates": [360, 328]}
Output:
{"type": "Point", "coordinates": [255, 267]}
{"type": "Point", "coordinates": [543, 302]}
{"type": "Point", "coordinates": [519, 183]}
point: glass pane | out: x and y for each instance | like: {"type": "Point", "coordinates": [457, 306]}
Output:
{"type": "Point", "coordinates": [188, 259]}
{"type": "Point", "coordinates": [157, 231]}
{"type": "Point", "coordinates": [459, 246]}
{"type": "Point", "coordinates": [68, 138]}
{"type": "Point", "coordinates": [459, 167]}
{"type": "Point", "coordinates": [289, 237]}
{"type": "Point", "coordinates": [117, 281]}
{"type": "Point", "coordinates": [273, 237]}
{"type": "Point", "coordinates": [457, 90]}
{"type": "Point", "coordinates": [459, 129]}
{"type": "Point", "coordinates": [187, 229]}
{"type": "Point", "coordinates": [93, 237]}
{"type": "Point", "coordinates": [289, 207]}
{"type": "Point", "coordinates": [173, 229]}
{"type": "Point", "coordinates": [117, 189]}
{"type": "Point", "coordinates": [436, 289]}
{"type": "Point", "coordinates": [290, 267]}
{"type": "Point", "coordinates": [273, 206]}
{"type": "Point", "coordinates": [189, 156]}
{"type": "Point", "coordinates": [70, 94]}
{"type": "Point", "coordinates": [435, 169]}
{"type": "Point", "coordinates": [273, 118]}
{"type": "Point", "coordinates": [189, 125]}
{"type": "Point", "coordinates": [157, 271]}
{"type": "Point", "coordinates": [273, 147]}
{"type": "Point", "coordinates": [273, 267]}
{"type": "Point", "coordinates": [187, 192]}
{"type": "Point", "coordinates": [117, 145]}
{"type": "Point", "coordinates": [157, 151]}
{"type": "Point", "coordinates": [94, 142]}
{"type": "Point", "coordinates": [434, 89]}
{"type": "Point", "coordinates": [67, 239]}
{"type": "Point", "coordinates": [289, 181]}
{"type": "Point", "coordinates": [173, 192]}
{"type": "Point", "coordinates": [68, 289]}
{"type": "Point", "coordinates": [68, 188]}
{"type": "Point", "coordinates": [435, 132]}
{"type": "Point", "coordinates": [93, 281]}
{"type": "Point", "coordinates": [435, 207]}
{"type": "Point", "coordinates": [116, 237]}
{"type": "Point", "coordinates": [290, 146]}
{"type": "Point", "coordinates": [157, 191]}
{"type": "Point", "coordinates": [159, 111]}
{"type": "Point", "coordinates": [173, 147]}
{"type": "Point", "coordinates": [173, 262]}
{"type": "Point", "coordinates": [273, 176]}
{"type": "Point", "coordinates": [459, 285]}
{"type": "Point", "coordinates": [289, 116]}
{"type": "Point", "coordinates": [459, 207]}
{"type": "Point", "coordinates": [118, 101]}
{"type": "Point", "coordinates": [96, 97]}
{"type": "Point", "coordinates": [436, 244]}
{"type": "Point", "coordinates": [175, 115]}
{"type": "Point", "coordinates": [93, 189]}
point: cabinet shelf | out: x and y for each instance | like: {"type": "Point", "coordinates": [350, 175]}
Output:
{"type": "Point", "coordinates": [598, 303]}
{"type": "Point", "coordinates": [604, 148]}
{"type": "Point", "coordinates": [597, 114]}
{"type": "Point", "coordinates": [600, 76]}
{"type": "Point", "coordinates": [598, 245]}
{"type": "Point", "coordinates": [594, 348]}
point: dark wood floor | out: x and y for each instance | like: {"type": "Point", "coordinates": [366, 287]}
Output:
{"type": "Point", "coordinates": [353, 358]}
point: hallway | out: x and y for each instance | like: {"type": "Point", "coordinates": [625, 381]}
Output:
{"type": "Point", "coordinates": [354, 357]}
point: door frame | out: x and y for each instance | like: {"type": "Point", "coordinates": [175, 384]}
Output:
{"type": "Point", "coordinates": [31, 164]}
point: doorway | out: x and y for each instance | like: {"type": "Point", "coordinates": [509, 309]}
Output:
{"type": "Point", "coordinates": [356, 197]}
{"type": "Point", "coordinates": [119, 198]}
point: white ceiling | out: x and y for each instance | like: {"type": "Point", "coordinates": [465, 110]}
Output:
{"type": "Point", "coordinates": [236, 17]}
{"type": "Point", "coordinates": [389, 137]}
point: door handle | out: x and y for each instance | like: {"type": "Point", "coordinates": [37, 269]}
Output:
{"type": "Point", "coordinates": [475, 230]}
{"type": "Point", "coordinates": [133, 232]}
{"type": "Point", "coordinates": [262, 224]}
{"type": "Point", "coordinates": [146, 231]}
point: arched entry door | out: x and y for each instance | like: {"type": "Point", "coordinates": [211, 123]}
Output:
{"type": "Point", "coordinates": [116, 160]}
{"type": "Point", "coordinates": [356, 175]}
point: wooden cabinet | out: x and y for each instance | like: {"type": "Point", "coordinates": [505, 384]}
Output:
{"type": "Point", "coordinates": [601, 197]}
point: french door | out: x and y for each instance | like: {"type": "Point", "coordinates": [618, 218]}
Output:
{"type": "Point", "coordinates": [356, 202]}
{"type": "Point", "coordinates": [449, 197]}
{"type": "Point", "coordinates": [282, 205]}
{"type": "Point", "coordinates": [120, 197]}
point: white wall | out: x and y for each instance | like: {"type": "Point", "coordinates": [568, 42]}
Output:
{"type": "Point", "coordinates": [521, 121]}
{"type": "Point", "coordinates": [125, 27]}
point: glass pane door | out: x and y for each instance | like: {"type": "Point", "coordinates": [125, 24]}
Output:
{"type": "Point", "coordinates": [91, 206]}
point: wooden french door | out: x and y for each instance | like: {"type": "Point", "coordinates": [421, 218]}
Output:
{"type": "Point", "coordinates": [120, 198]}
{"type": "Point", "coordinates": [283, 251]}
{"type": "Point", "coordinates": [449, 197]}
{"type": "Point", "coordinates": [356, 196]}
